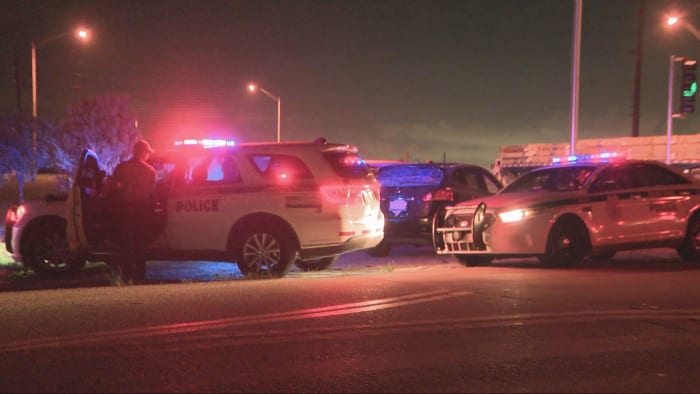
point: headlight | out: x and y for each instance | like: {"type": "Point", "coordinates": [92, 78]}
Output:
{"type": "Point", "coordinates": [515, 215]}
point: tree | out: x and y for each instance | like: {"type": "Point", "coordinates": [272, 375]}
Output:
{"type": "Point", "coordinates": [103, 124]}
{"type": "Point", "coordinates": [16, 148]}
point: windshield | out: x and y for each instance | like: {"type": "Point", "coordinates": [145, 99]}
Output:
{"type": "Point", "coordinates": [410, 175]}
{"type": "Point", "coordinates": [551, 179]}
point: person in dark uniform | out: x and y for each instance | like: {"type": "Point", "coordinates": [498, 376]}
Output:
{"type": "Point", "coordinates": [134, 181]}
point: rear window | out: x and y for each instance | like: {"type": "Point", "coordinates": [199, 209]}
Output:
{"type": "Point", "coordinates": [411, 175]}
{"type": "Point", "coordinates": [347, 164]}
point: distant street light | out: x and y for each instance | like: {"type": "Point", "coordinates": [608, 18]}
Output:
{"type": "Point", "coordinates": [81, 34]}
{"type": "Point", "coordinates": [254, 88]}
{"type": "Point", "coordinates": [674, 20]}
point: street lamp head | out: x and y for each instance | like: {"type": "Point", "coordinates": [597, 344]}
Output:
{"type": "Point", "coordinates": [672, 20]}
{"type": "Point", "coordinates": [82, 34]}
{"type": "Point", "coordinates": [252, 87]}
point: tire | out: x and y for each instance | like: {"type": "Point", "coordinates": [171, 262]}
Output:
{"type": "Point", "coordinates": [381, 250]}
{"type": "Point", "coordinates": [268, 251]}
{"type": "Point", "coordinates": [473, 261]}
{"type": "Point", "coordinates": [45, 250]}
{"type": "Point", "coordinates": [316, 264]}
{"type": "Point", "coordinates": [690, 250]}
{"type": "Point", "coordinates": [478, 226]}
{"type": "Point", "coordinates": [567, 244]}
{"type": "Point", "coordinates": [438, 221]}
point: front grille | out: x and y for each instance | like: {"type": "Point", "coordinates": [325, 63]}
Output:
{"type": "Point", "coordinates": [455, 235]}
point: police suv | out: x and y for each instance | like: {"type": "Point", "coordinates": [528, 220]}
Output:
{"type": "Point", "coordinates": [263, 205]}
{"type": "Point", "coordinates": [574, 209]}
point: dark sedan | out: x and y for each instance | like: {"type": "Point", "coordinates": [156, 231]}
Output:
{"type": "Point", "coordinates": [413, 193]}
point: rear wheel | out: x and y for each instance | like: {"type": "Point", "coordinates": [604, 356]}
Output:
{"type": "Point", "coordinates": [265, 251]}
{"type": "Point", "coordinates": [45, 250]}
{"type": "Point", "coordinates": [473, 261]}
{"type": "Point", "coordinates": [381, 250]}
{"type": "Point", "coordinates": [567, 244]}
{"type": "Point", "coordinates": [316, 264]}
{"type": "Point", "coordinates": [690, 250]}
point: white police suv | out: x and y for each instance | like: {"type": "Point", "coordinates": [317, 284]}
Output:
{"type": "Point", "coordinates": [571, 210]}
{"type": "Point", "coordinates": [263, 205]}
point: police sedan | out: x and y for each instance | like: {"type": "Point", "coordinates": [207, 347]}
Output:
{"type": "Point", "coordinates": [571, 210]}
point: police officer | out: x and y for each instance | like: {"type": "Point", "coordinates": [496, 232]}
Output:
{"type": "Point", "coordinates": [134, 181]}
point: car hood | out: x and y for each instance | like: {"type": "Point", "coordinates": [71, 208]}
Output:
{"type": "Point", "coordinates": [520, 200]}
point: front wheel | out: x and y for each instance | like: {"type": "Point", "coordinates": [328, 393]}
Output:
{"type": "Point", "coordinates": [265, 251]}
{"type": "Point", "coordinates": [45, 250]}
{"type": "Point", "coordinates": [690, 250]}
{"type": "Point", "coordinates": [316, 264]}
{"type": "Point", "coordinates": [567, 244]}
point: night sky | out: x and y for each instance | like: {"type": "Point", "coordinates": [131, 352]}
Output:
{"type": "Point", "coordinates": [425, 79]}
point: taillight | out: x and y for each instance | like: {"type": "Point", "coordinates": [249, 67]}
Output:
{"type": "Point", "coordinates": [445, 194]}
{"type": "Point", "coordinates": [14, 214]}
{"type": "Point", "coordinates": [342, 194]}
{"type": "Point", "coordinates": [11, 215]}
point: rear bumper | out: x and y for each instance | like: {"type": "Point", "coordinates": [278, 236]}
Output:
{"type": "Point", "coordinates": [351, 245]}
{"type": "Point", "coordinates": [415, 232]}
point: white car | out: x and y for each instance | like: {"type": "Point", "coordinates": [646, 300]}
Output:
{"type": "Point", "coordinates": [568, 211]}
{"type": "Point", "coordinates": [297, 202]}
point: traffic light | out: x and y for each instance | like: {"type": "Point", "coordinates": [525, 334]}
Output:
{"type": "Point", "coordinates": [689, 86]}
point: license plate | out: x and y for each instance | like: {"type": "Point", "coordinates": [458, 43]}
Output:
{"type": "Point", "coordinates": [397, 206]}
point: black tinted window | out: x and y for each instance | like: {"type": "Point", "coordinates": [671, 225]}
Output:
{"type": "Point", "coordinates": [613, 178]}
{"type": "Point", "coordinates": [347, 164]}
{"type": "Point", "coordinates": [649, 174]}
{"type": "Point", "coordinates": [552, 179]}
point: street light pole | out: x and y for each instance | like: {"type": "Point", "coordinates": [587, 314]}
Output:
{"type": "Point", "coordinates": [575, 69]}
{"type": "Point", "coordinates": [253, 88]}
{"type": "Point", "coordinates": [81, 34]}
{"type": "Point", "coordinates": [34, 108]}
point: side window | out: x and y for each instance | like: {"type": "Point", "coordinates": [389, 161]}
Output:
{"type": "Point", "coordinates": [647, 174]}
{"type": "Point", "coordinates": [166, 173]}
{"type": "Point", "coordinates": [281, 167]}
{"type": "Point", "coordinates": [613, 178]}
{"type": "Point", "coordinates": [492, 185]}
{"type": "Point", "coordinates": [214, 171]}
{"type": "Point", "coordinates": [470, 180]}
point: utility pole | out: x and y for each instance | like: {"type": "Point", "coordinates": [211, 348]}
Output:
{"type": "Point", "coordinates": [638, 71]}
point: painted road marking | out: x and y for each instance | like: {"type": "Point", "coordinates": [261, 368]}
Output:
{"type": "Point", "coordinates": [187, 327]}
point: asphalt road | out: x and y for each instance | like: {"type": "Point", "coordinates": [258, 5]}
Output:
{"type": "Point", "coordinates": [411, 322]}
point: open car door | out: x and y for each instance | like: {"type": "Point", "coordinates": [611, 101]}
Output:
{"type": "Point", "coordinates": [85, 204]}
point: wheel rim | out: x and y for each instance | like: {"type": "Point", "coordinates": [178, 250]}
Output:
{"type": "Point", "coordinates": [52, 252]}
{"type": "Point", "coordinates": [566, 246]}
{"type": "Point", "coordinates": [261, 252]}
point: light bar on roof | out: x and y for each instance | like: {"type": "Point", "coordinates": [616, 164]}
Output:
{"type": "Point", "coordinates": [596, 158]}
{"type": "Point", "coordinates": [206, 142]}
